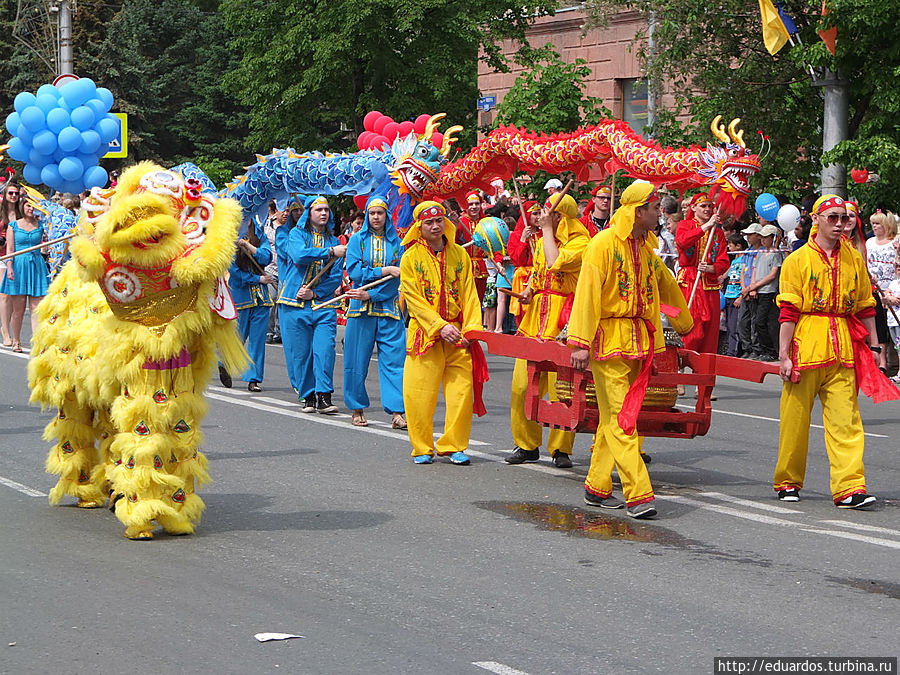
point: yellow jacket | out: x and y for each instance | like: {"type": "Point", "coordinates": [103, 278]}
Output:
{"type": "Point", "coordinates": [552, 286]}
{"type": "Point", "coordinates": [438, 289]}
{"type": "Point", "coordinates": [622, 283]}
{"type": "Point", "coordinates": [825, 290]}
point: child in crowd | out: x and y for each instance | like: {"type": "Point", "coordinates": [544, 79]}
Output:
{"type": "Point", "coordinates": [736, 245]}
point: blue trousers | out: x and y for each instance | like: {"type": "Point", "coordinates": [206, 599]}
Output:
{"type": "Point", "coordinates": [362, 333]}
{"type": "Point", "coordinates": [308, 338]}
{"type": "Point", "coordinates": [252, 325]}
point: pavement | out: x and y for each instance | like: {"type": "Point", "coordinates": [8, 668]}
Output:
{"type": "Point", "coordinates": [316, 528]}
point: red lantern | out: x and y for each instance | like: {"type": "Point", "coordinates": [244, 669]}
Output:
{"type": "Point", "coordinates": [859, 175]}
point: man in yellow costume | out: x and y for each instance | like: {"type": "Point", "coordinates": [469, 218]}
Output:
{"type": "Point", "coordinates": [827, 315]}
{"type": "Point", "coordinates": [438, 287]}
{"type": "Point", "coordinates": [557, 262]}
{"type": "Point", "coordinates": [616, 329]}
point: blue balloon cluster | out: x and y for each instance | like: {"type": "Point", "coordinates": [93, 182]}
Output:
{"type": "Point", "coordinates": [61, 134]}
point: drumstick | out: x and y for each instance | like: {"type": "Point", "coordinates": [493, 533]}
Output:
{"type": "Point", "coordinates": [506, 291]}
{"type": "Point", "coordinates": [702, 260]}
{"type": "Point", "coordinates": [39, 246]}
{"type": "Point", "coordinates": [369, 285]}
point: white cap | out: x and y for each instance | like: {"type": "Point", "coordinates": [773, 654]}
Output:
{"type": "Point", "coordinates": [754, 228]}
{"type": "Point", "coordinates": [769, 231]}
{"type": "Point", "coordinates": [553, 183]}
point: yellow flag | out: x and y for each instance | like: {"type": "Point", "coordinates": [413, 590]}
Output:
{"type": "Point", "coordinates": [775, 35]}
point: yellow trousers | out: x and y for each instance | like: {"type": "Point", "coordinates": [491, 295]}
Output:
{"type": "Point", "coordinates": [423, 375]}
{"type": "Point", "coordinates": [526, 433]}
{"type": "Point", "coordinates": [844, 439]}
{"type": "Point", "coordinates": [612, 446]}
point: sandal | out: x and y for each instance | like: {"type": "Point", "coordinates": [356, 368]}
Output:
{"type": "Point", "coordinates": [398, 422]}
{"type": "Point", "coordinates": [359, 419]}
{"type": "Point", "coordinates": [17, 347]}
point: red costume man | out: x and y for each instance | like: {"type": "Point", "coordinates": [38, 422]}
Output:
{"type": "Point", "coordinates": [596, 216]}
{"type": "Point", "coordinates": [691, 239]}
{"type": "Point", "coordinates": [469, 220]}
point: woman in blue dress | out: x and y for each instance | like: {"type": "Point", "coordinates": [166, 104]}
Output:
{"type": "Point", "coordinates": [26, 277]}
{"type": "Point", "coordinates": [374, 316]}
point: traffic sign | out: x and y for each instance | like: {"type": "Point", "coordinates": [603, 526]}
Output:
{"type": "Point", "coordinates": [485, 103]}
{"type": "Point", "coordinates": [118, 147]}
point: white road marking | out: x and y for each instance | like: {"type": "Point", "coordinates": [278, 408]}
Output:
{"type": "Point", "coordinates": [861, 527]}
{"type": "Point", "coordinates": [269, 399]}
{"type": "Point", "coordinates": [23, 355]}
{"type": "Point", "coordinates": [770, 520]}
{"type": "Point", "coordinates": [534, 466]}
{"type": "Point", "coordinates": [328, 420]}
{"type": "Point", "coordinates": [18, 487]}
{"type": "Point", "coordinates": [498, 668]}
{"type": "Point", "coordinates": [767, 419]}
{"type": "Point", "coordinates": [747, 502]}
{"type": "Point", "coordinates": [224, 390]}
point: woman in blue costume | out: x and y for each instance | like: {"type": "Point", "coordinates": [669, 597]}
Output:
{"type": "Point", "coordinates": [374, 316]}
{"type": "Point", "coordinates": [308, 336]}
{"type": "Point", "coordinates": [248, 283]}
{"type": "Point", "coordinates": [26, 277]}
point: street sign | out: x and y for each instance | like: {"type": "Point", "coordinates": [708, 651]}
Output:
{"type": "Point", "coordinates": [486, 103]}
{"type": "Point", "coordinates": [118, 147]}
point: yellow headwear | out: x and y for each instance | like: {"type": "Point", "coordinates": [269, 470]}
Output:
{"type": "Point", "coordinates": [637, 194]}
{"type": "Point", "coordinates": [824, 203]}
{"type": "Point", "coordinates": [569, 225]}
{"type": "Point", "coordinates": [424, 211]}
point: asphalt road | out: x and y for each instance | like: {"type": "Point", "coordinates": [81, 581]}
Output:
{"type": "Point", "coordinates": [320, 529]}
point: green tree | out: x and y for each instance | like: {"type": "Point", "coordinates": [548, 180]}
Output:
{"type": "Point", "coordinates": [711, 54]}
{"type": "Point", "coordinates": [310, 71]}
{"type": "Point", "coordinates": [549, 94]}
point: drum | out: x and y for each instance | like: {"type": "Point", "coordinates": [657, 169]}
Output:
{"type": "Point", "coordinates": [491, 236]}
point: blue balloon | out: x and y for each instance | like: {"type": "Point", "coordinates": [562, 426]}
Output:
{"type": "Point", "coordinates": [108, 128]}
{"type": "Point", "coordinates": [97, 106]}
{"type": "Point", "coordinates": [32, 174]}
{"type": "Point", "coordinates": [59, 154]}
{"type": "Point", "coordinates": [23, 100]}
{"type": "Point", "coordinates": [25, 135]}
{"type": "Point", "coordinates": [82, 118]}
{"type": "Point", "coordinates": [95, 176]}
{"type": "Point", "coordinates": [74, 93]}
{"type": "Point", "coordinates": [103, 149]}
{"type": "Point", "coordinates": [39, 160]}
{"type": "Point", "coordinates": [65, 106]}
{"type": "Point", "coordinates": [50, 176]}
{"type": "Point", "coordinates": [71, 168]}
{"type": "Point", "coordinates": [69, 139]}
{"type": "Point", "coordinates": [33, 118]}
{"type": "Point", "coordinates": [57, 120]}
{"type": "Point", "coordinates": [73, 186]}
{"type": "Point", "coordinates": [17, 149]}
{"type": "Point", "coordinates": [105, 95]}
{"type": "Point", "coordinates": [87, 161]}
{"type": "Point", "coordinates": [12, 123]}
{"type": "Point", "coordinates": [44, 142]}
{"type": "Point", "coordinates": [90, 142]}
{"type": "Point", "coordinates": [767, 206]}
{"type": "Point", "coordinates": [48, 89]}
{"type": "Point", "coordinates": [47, 103]}
{"type": "Point", "coordinates": [88, 87]}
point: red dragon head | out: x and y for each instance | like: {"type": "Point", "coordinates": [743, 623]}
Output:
{"type": "Point", "coordinates": [728, 166]}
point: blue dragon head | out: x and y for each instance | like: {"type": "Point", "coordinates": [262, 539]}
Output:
{"type": "Point", "coordinates": [417, 161]}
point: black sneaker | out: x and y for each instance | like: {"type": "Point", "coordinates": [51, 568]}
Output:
{"type": "Point", "coordinates": [324, 404]}
{"type": "Point", "coordinates": [647, 458]}
{"type": "Point", "coordinates": [309, 404]}
{"type": "Point", "coordinates": [562, 460]}
{"type": "Point", "coordinates": [789, 495]}
{"type": "Point", "coordinates": [254, 386]}
{"type": "Point", "coordinates": [603, 502]}
{"type": "Point", "coordinates": [224, 377]}
{"type": "Point", "coordinates": [858, 501]}
{"type": "Point", "coordinates": [520, 456]}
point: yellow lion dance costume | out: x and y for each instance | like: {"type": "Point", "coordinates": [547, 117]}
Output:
{"type": "Point", "coordinates": [128, 340]}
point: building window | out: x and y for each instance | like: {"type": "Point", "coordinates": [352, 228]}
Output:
{"type": "Point", "coordinates": [634, 103]}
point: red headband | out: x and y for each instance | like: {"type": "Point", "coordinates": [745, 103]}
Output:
{"type": "Point", "coordinates": [852, 206]}
{"type": "Point", "coordinates": [602, 189]}
{"type": "Point", "coordinates": [473, 196]}
{"type": "Point", "coordinates": [830, 203]}
{"type": "Point", "coordinates": [431, 212]}
{"type": "Point", "coordinates": [697, 197]}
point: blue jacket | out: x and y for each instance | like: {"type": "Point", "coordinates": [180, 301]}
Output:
{"type": "Point", "coordinates": [367, 253]}
{"type": "Point", "coordinates": [304, 254]}
{"type": "Point", "coordinates": [244, 286]}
